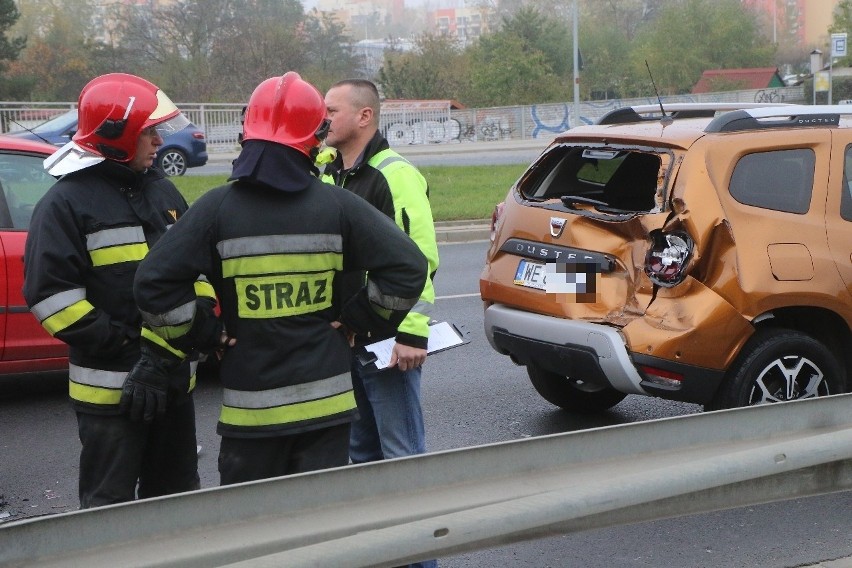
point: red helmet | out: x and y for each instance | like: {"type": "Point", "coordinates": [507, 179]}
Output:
{"type": "Point", "coordinates": [115, 108]}
{"type": "Point", "coordinates": [286, 110]}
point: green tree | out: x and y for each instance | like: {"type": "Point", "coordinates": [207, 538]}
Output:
{"type": "Point", "coordinates": [606, 71]}
{"type": "Point", "coordinates": [842, 22]}
{"type": "Point", "coordinates": [171, 45]}
{"type": "Point", "coordinates": [624, 17]}
{"type": "Point", "coordinates": [258, 40]}
{"type": "Point", "coordinates": [10, 47]}
{"type": "Point", "coordinates": [328, 50]}
{"type": "Point", "coordinates": [546, 34]}
{"type": "Point", "coordinates": [58, 60]}
{"type": "Point", "coordinates": [691, 36]}
{"type": "Point", "coordinates": [437, 68]}
{"type": "Point", "coordinates": [505, 70]}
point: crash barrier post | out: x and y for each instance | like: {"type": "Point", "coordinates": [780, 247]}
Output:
{"type": "Point", "coordinates": [394, 512]}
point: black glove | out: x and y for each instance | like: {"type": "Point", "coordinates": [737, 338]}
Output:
{"type": "Point", "coordinates": [146, 387]}
{"type": "Point", "coordinates": [205, 335]}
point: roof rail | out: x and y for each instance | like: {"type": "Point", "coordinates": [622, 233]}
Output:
{"type": "Point", "coordinates": [651, 112]}
{"type": "Point", "coordinates": [791, 116]}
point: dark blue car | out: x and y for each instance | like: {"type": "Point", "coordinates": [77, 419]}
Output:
{"type": "Point", "coordinates": [184, 149]}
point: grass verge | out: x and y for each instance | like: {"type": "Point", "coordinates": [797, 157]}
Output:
{"type": "Point", "coordinates": [456, 192]}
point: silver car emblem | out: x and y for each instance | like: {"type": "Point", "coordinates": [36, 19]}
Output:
{"type": "Point", "coordinates": [556, 226]}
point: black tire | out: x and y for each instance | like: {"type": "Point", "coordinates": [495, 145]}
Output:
{"type": "Point", "coordinates": [172, 162]}
{"type": "Point", "coordinates": [572, 394]}
{"type": "Point", "coordinates": [777, 365]}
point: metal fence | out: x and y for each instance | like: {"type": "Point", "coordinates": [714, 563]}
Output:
{"type": "Point", "coordinates": [419, 125]}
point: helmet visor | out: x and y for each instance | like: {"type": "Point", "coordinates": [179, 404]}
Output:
{"type": "Point", "coordinates": [166, 117]}
{"type": "Point", "coordinates": [172, 125]}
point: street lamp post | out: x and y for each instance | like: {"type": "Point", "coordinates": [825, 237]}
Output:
{"type": "Point", "coordinates": [816, 67]}
{"type": "Point", "coordinates": [576, 66]}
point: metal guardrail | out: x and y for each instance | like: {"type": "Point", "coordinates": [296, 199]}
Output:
{"type": "Point", "coordinates": [394, 512]}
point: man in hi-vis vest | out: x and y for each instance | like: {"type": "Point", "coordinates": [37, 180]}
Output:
{"type": "Point", "coordinates": [390, 424]}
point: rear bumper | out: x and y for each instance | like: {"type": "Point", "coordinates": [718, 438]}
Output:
{"type": "Point", "coordinates": [593, 352]}
{"type": "Point", "coordinates": [561, 345]}
{"type": "Point", "coordinates": [197, 159]}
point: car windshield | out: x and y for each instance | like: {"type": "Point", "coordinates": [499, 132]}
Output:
{"type": "Point", "coordinates": [58, 123]}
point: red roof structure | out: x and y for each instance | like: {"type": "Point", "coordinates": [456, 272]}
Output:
{"type": "Point", "coordinates": [715, 80]}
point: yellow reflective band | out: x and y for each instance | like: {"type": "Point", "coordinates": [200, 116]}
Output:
{"type": "Point", "coordinates": [204, 289]}
{"type": "Point", "coordinates": [156, 339]}
{"type": "Point", "coordinates": [281, 296]}
{"type": "Point", "coordinates": [67, 317]}
{"type": "Point", "coordinates": [192, 381]}
{"type": "Point", "coordinates": [415, 324]}
{"type": "Point", "coordinates": [118, 254]}
{"type": "Point", "coordinates": [173, 331]}
{"type": "Point", "coordinates": [290, 413]}
{"type": "Point", "coordinates": [275, 263]}
{"type": "Point", "coordinates": [93, 395]}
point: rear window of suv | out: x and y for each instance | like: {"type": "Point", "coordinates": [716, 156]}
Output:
{"type": "Point", "coordinates": [620, 178]}
{"type": "Point", "coordinates": [781, 180]}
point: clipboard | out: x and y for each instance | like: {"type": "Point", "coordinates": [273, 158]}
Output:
{"type": "Point", "coordinates": [443, 335]}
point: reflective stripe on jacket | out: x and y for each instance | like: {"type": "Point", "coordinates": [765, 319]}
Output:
{"type": "Point", "coordinates": [274, 258]}
{"type": "Point", "coordinates": [86, 239]}
{"type": "Point", "coordinates": [395, 187]}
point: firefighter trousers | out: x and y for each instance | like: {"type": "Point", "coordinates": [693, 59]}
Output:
{"type": "Point", "coordinates": [249, 459]}
{"type": "Point", "coordinates": [122, 460]}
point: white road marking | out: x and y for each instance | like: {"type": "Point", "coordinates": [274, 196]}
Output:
{"type": "Point", "coordinates": [456, 296]}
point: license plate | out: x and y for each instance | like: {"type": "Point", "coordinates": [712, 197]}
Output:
{"type": "Point", "coordinates": [530, 274]}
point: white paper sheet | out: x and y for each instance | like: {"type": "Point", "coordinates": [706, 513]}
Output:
{"type": "Point", "coordinates": [442, 335]}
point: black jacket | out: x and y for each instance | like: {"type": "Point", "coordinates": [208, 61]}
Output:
{"type": "Point", "coordinates": [86, 239]}
{"type": "Point", "coordinates": [397, 189]}
{"type": "Point", "coordinates": [273, 243]}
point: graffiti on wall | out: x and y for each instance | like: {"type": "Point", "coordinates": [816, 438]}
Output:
{"type": "Point", "coordinates": [769, 96]}
{"type": "Point", "coordinates": [538, 121]}
{"type": "Point", "coordinates": [543, 119]}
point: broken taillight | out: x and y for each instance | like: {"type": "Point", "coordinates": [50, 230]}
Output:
{"type": "Point", "coordinates": [496, 217]}
{"type": "Point", "coordinates": [667, 259]}
{"type": "Point", "coordinates": [662, 378]}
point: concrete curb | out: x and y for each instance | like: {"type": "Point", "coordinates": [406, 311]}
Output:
{"type": "Point", "coordinates": [839, 563]}
{"type": "Point", "coordinates": [462, 231]}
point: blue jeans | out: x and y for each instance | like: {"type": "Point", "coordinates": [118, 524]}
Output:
{"type": "Point", "coordinates": [390, 423]}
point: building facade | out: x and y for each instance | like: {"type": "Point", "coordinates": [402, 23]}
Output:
{"type": "Point", "coordinates": [806, 20]}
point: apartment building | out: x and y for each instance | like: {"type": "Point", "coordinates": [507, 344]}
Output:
{"type": "Point", "coordinates": [806, 20]}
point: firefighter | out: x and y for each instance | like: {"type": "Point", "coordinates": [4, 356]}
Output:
{"type": "Point", "coordinates": [274, 242]}
{"type": "Point", "coordinates": [86, 239]}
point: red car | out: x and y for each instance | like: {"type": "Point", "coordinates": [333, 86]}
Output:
{"type": "Point", "coordinates": [24, 345]}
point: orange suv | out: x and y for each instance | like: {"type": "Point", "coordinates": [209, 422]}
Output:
{"type": "Point", "coordinates": [700, 253]}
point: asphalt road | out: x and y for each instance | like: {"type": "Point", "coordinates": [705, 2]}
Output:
{"type": "Point", "coordinates": [471, 396]}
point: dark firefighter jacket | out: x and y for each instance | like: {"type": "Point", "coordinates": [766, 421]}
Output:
{"type": "Point", "coordinates": [397, 189]}
{"type": "Point", "coordinates": [273, 243]}
{"type": "Point", "coordinates": [86, 238]}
